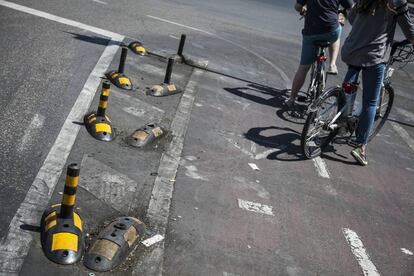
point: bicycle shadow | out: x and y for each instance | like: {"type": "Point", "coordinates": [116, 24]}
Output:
{"type": "Point", "coordinates": [284, 143]}
{"type": "Point", "coordinates": [273, 97]}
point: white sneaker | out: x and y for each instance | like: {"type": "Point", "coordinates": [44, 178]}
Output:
{"type": "Point", "coordinates": [332, 70]}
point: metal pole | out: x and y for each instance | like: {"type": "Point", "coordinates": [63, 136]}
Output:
{"type": "Point", "coordinates": [167, 78]}
{"type": "Point", "coordinates": [103, 100]}
{"type": "Point", "coordinates": [122, 60]}
{"type": "Point", "coordinates": [181, 46]}
{"type": "Point", "coordinates": [69, 193]}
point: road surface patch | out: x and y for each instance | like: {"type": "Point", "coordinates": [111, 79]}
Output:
{"type": "Point", "coordinates": [255, 207]}
{"type": "Point", "coordinates": [35, 126]}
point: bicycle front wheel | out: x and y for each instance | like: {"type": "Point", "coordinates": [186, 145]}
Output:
{"type": "Point", "coordinates": [384, 106]}
{"type": "Point", "coordinates": [315, 134]}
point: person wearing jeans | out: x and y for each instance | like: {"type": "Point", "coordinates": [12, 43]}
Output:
{"type": "Point", "coordinates": [367, 49]}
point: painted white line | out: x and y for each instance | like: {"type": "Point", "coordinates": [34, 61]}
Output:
{"type": "Point", "coordinates": [35, 126]}
{"type": "Point", "coordinates": [255, 207]}
{"type": "Point", "coordinates": [153, 240]}
{"type": "Point", "coordinates": [100, 2]}
{"type": "Point", "coordinates": [406, 251]}
{"type": "Point", "coordinates": [254, 167]}
{"type": "Point", "coordinates": [407, 114]}
{"type": "Point", "coordinates": [174, 37]}
{"type": "Point", "coordinates": [321, 167]}
{"type": "Point", "coordinates": [15, 246]}
{"type": "Point", "coordinates": [265, 154]}
{"type": "Point", "coordinates": [178, 24]}
{"type": "Point", "coordinates": [160, 202]}
{"type": "Point", "coordinates": [403, 134]}
{"type": "Point", "coordinates": [112, 35]}
{"type": "Point", "coordinates": [358, 249]}
{"type": "Point", "coordinates": [285, 78]}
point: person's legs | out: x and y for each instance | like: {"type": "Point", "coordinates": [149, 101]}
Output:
{"type": "Point", "coordinates": [372, 78]}
{"type": "Point", "coordinates": [308, 54]}
{"type": "Point", "coordinates": [333, 55]}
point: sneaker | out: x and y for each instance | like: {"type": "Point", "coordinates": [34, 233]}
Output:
{"type": "Point", "coordinates": [359, 157]}
{"type": "Point", "coordinates": [289, 103]}
{"type": "Point", "coordinates": [332, 70]}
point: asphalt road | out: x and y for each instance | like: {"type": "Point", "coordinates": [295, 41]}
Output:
{"type": "Point", "coordinates": [44, 65]}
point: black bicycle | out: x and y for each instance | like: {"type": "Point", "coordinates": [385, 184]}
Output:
{"type": "Point", "coordinates": [330, 113]}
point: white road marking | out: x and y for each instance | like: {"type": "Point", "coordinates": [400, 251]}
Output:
{"type": "Point", "coordinates": [407, 114]}
{"type": "Point", "coordinates": [403, 134]}
{"type": "Point", "coordinates": [285, 78]}
{"type": "Point", "coordinates": [321, 167]}
{"type": "Point", "coordinates": [160, 202]}
{"type": "Point", "coordinates": [192, 173]}
{"type": "Point", "coordinates": [406, 251]}
{"type": "Point", "coordinates": [265, 154]}
{"type": "Point", "coordinates": [35, 126]}
{"type": "Point", "coordinates": [255, 207]}
{"type": "Point", "coordinates": [112, 35]}
{"type": "Point", "coordinates": [178, 24]}
{"type": "Point", "coordinates": [358, 249]}
{"type": "Point", "coordinates": [15, 246]}
{"type": "Point", "coordinates": [174, 37]}
{"type": "Point", "coordinates": [100, 2]}
{"type": "Point", "coordinates": [254, 167]}
{"type": "Point", "coordinates": [153, 240]}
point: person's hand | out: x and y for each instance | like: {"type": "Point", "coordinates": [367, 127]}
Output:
{"type": "Point", "coordinates": [303, 11]}
{"type": "Point", "coordinates": [300, 9]}
{"type": "Point", "coordinates": [341, 19]}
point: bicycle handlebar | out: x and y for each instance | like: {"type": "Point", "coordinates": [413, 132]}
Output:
{"type": "Point", "coordinates": [398, 44]}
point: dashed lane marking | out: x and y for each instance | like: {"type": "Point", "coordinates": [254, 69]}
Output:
{"type": "Point", "coordinates": [255, 207]}
{"type": "Point", "coordinates": [112, 35]}
{"type": "Point", "coordinates": [35, 126]}
{"type": "Point", "coordinates": [100, 2]}
{"type": "Point", "coordinates": [153, 240]}
{"type": "Point", "coordinates": [403, 134]}
{"type": "Point", "coordinates": [160, 202]}
{"type": "Point", "coordinates": [321, 167]}
{"type": "Point", "coordinates": [361, 255]}
{"type": "Point", "coordinates": [15, 246]}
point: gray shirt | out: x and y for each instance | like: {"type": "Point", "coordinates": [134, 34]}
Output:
{"type": "Point", "coordinates": [370, 37]}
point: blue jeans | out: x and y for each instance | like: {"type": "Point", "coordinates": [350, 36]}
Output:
{"type": "Point", "coordinates": [372, 78]}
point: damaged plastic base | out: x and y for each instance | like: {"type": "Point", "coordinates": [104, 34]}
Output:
{"type": "Point", "coordinates": [114, 244]}
{"type": "Point", "coordinates": [145, 135]}
{"type": "Point", "coordinates": [137, 48]}
{"type": "Point", "coordinates": [63, 240]}
{"type": "Point", "coordinates": [163, 89]}
{"type": "Point", "coordinates": [99, 127]}
{"type": "Point", "coordinates": [120, 80]}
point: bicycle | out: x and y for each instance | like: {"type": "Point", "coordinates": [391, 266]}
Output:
{"type": "Point", "coordinates": [331, 112]}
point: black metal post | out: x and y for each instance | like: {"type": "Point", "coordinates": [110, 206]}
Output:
{"type": "Point", "coordinates": [167, 78]}
{"type": "Point", "coordinates": [123, 59]}
{"type": "Point", "coordinates": [181, 47]}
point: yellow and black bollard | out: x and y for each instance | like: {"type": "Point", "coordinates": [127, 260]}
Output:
{"type": "Point", "coordinates": [118, 77]}
{"type": "Point", "coordinates": [137, 48]}
{"type": "Point", "coordinates": [167, 87]}
{"type": "Point", "coordinates": [62, 235]}
{"type": "Point", "coordinates": [98, 124]}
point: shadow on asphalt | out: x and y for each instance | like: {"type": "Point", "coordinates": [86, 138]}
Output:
{"type": "Point", "coordinates": [250, 92]}
{"type": "Point", "coordinates": [284, 143]}
{"type": "Point", "coordinates": [90, 39]}
{"type": "Point", "coordinates": [31, 228]}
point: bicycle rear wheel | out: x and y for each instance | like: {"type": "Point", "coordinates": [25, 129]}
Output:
{"type": "Point", "coordinates": [315, 134]}
{"type": "Point", "coordinates": [384, 106]}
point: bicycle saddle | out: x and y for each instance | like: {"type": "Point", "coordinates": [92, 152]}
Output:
{"type": "Point", "coordinates": [322, 43]}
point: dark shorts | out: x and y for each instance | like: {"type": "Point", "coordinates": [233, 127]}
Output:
{"type": "Point", "coordinates": [310, 50]}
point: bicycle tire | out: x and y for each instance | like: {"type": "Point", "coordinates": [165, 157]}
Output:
{"type": "Point", "coordinates": [381, 119]}
{"type": "Point", "coordinates": [312, 149]}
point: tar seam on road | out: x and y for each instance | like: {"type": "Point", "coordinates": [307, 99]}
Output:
{"type": "Point", "coordinates": [15, 246]}
{"type": "Point", "coordinates": [113, 36]}
{"type": "Point", "coordinates": [283, 75]}
{"type": "Point", "coordinates": [403, 134]}
{"type": "Point", "coordinates": [160, 202]}
{"type": "Point", "coordinates": [35, 126]}
{"type": "Point", "coordinates": [321, 167]}
{"type": "Point", "coordinates": [358, 249]}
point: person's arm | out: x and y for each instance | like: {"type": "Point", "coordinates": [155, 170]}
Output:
{"type": "Point", "coordinates": [404, 19]}
{"type": "Point", "coordinates": [350, 12]}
